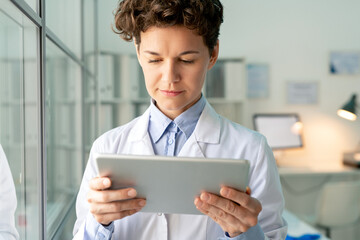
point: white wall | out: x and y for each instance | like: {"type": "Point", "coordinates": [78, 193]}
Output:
{"type": "Point", "coordinates": [294, 38]}
{"type": "Point", "coordinates": [108, 40]}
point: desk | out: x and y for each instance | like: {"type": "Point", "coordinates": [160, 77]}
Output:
{"type": "Point", "coordinates": [302, 185]}
{"type": "Point", "coordinates": [296, 227]}
{"type": "Point", "coordinates": [318, 170]}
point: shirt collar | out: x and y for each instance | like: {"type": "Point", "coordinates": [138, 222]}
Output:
{"type": "Point", "coordinates": [158, 122]}
{"type": "Point", "coordinates": [186, 121]}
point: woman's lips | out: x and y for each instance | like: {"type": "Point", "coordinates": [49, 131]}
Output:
{"type": "Point", "coordinates": [170, 93]}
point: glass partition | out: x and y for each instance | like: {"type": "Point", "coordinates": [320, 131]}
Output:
{"type": "Point", "coordinates": [19, 114]}
{"type": "Point", "coordinates": [34, 4]}
{"type": "Point", "coordinates": [69, 69]}
{"type": "Point", "coordinates": [63, 126]}
{"type": "Point", "coordinates": [89, 43]}
{"type": "Point", "coordinates": [63, 18]}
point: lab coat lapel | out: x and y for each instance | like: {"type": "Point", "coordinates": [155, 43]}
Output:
{"type": "Point", "coordinates": [207, 131]}
{"type": "Point", "coordinates": [191, 148]}
{"type": "Point", "coordinates": [139, 140]}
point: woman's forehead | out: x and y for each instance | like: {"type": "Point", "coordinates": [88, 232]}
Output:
{"type": "Point", "coordinates": [175, 37]}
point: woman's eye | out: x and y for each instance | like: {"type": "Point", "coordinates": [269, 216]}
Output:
{"type": "Point", "coordinates": [187, 61]}
{"type": "Point", "coordinates": [154, 61]}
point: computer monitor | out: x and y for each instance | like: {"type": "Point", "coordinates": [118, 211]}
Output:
{"type": "Point", "coordinates": [282, 131]}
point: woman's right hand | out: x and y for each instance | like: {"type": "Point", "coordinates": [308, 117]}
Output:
{"type": "Point", "coordinates": [109, 205]}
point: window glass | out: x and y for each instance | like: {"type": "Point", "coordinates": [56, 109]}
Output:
{"type": "Point", "coordinates": [63, 18]}
{"type": "Point", "coordinates": [90, 113]}
{"type": "Point", "coordinates": [34, 4]}
{"type": "Point", "coordinates": [63, 133]}
{"type": "Point", "coordinates": [89, 34]}
{"type": "Point", "coordinates": [19, 114]}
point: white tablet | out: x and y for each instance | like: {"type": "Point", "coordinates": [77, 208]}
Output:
{"type": "Point", "coordinates": [170, 184]}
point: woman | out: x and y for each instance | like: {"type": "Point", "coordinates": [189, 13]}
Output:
{"type": "Point", "coordinates": [8, 202]}
{"type": "Point", "coordinates": [177, 43]}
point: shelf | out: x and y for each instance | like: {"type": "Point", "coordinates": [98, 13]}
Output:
{"type": "Point", "coordinates": [90, 101]}
{"type": "Point", "coordinates": [66, 101]}
{"type": "Point", "coordinates": [68, 147]}
{"type": "Point", "coordinates": [141, 101]}
{"type": "Point", "coordinates": [18, 102]}
{"type": "Point", "coordinates": [19, 145]}
{"type": "Point", "coordinates": [122, 101]}
{"type": "Point", "coordinates": [224, 101]}
{"type": "Point", "coordinates": [113, 101]}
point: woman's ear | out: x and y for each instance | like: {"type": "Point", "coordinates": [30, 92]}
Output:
{"type": "Point", "coordinates": [214, 55]}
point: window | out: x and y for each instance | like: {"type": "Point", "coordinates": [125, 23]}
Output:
{"type": "Point", "coordinates": [47, 73]}
{"type": "Point", "coordinates": [19, 118]}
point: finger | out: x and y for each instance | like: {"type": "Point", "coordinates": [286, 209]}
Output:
{"type": "Point", "coordinates": [107, 196]}
{"type": "Point", "coordinates": [224, 204]}
{"type": "Point", "coordinates": [106, 219]}
{"type": "Point", "coordinates": [228, 210]}
{"type": "Point", "coordinates": [248, 191]}
{"type": "Point", "coordinates": [214, 205]}
{"type": "Point", "coordinates": [227, 222]}
{"type": "Point", "coordinates": [99, 183]}
{"type": "Point", "coordinates": [199, 205]}
{"type": "Point", "coordinates": [118, 206]}
{"type": "Point", "coordinates": [230, 229]}
{"type": "Point", "coordinates": [244, 199]}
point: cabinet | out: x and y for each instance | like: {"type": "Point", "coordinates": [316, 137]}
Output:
{"type": "Point", "coordinates": [122, 93]}
{"type": "Point", "coordinates": [225, 87]}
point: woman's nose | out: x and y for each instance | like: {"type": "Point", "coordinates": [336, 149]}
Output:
{"type": "Point", "coordinates": [170, 72]}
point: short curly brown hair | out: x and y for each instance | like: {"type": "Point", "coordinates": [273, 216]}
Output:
{"type": "Point", "coordinates": [135, 16]}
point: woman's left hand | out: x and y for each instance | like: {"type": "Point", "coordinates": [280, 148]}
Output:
{"type": "Point", "coordinates": [233, 210]}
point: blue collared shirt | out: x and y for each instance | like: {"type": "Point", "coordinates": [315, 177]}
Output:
{"type": "Point", "coordinates": [167, 136]}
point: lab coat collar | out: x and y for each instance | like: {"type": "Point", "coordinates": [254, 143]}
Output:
{"type": "Point", "coordinates": [207, 130]}
{"type": "Point", "coordinates": [139, 131]}
{"type": "Point", "coordinates": [139, 139]}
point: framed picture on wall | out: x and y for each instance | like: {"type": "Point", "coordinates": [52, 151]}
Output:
{"type": "Point", "coordinates": [344, 63]}
{"type": "Point", "coordinates": [257, 80]}
{"type": "Point", "coordinates": [302, 92]}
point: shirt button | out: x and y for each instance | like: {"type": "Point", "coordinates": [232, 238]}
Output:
{"type": "Point", "coordinates": [102, 236]}
{"type": "Point", "coordinates": [159, 214]}
{"type": "Point", "coordinates": [170, 141]}
{"type": "Point", "coordinates": [173, 125]}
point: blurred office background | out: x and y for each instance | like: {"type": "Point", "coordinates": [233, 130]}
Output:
{"type": "Point", "coordinates": [65, 78]}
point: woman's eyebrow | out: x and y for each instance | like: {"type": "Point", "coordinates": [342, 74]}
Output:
{"type": "Point", "coordinates": [152, 53]}
{"type": "Point", "coordinates": [189, 52]}
{"type": "Point", "coordinates": [183, 53]}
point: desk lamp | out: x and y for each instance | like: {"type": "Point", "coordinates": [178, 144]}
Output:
{"type": "Point", "coordinates": [348, 111]}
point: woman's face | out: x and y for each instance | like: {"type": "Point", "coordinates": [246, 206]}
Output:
{"type": "Point", "coordinates": [174, 61]}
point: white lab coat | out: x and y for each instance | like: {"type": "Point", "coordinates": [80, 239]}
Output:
{"type": "Point", "coordinates": [8, 201]}
{"type": "Point", "coordinates": [213, 137]}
